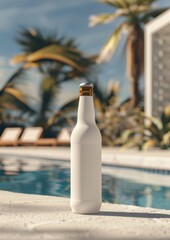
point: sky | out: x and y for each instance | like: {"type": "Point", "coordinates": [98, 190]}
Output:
{"type": "Point", "coordinates": [67, 18]}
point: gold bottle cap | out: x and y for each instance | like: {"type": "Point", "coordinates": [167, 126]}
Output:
{"type": "Point", "coordinates": [86, 89]}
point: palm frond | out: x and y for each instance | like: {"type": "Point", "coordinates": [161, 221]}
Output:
{"type": "Point", "coordinates": [15, 93]}
{"type": "Point", "coordinates": [166, 111]}
{"type": "Point", "coordinates": [99, 97]}
{"type": "Point", "coordinates": [131, 5]}
{"type": "Point", "coordinates": [61, 121]}
{"type": "Point", "coordinates": [144, 2]}
{"type": "Point", "coordinates": [12, 99]}
{"type": "Point", "coordinates": [65, 55]}
{"type": "Point", "coordinates": [154, 130]}
{"type": "Point", "coordinates": [63, 113]}
{"type": "Point", "coordinates": [70, 105]}
{"type": "Point", "coordinates": [110, 46]}
{"type": "Point", "coordinates": [116, 3]}
{"type": "Point", "coordinates": [150, 144]}
{"type": "Point", "coordinates": [33, 39]}
{"type": "Point", "coordinates": [18, 74]}
{"type": "Point", "coordinates": [57, 59]}
{"type": "Point", "coordinates": [166, 139]}
{"type": "Point", "coordinates": [140, 2]}
{"type": "Point", "coordinates": [135, 141]}
{"type": "Point", "coordinates": [18, 58]}
{"type": "Point", "coordinates": [104, 18]}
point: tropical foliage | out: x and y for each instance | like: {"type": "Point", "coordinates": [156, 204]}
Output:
{"type": "Point", "coordinates": [103, 98]}
{"type": "Point", "coordinates": [154, 133]}
{"type": "Point", "coordinates": [117, 120]}
{"type": "Point", "coordinates": [157, 131]}
{"type": "Point", "coordinates": [66, 114]}
{"type": "Point", "coordinates": [133, 14]}
{"type": "Point", "coordinates": [14, 104]}
{"type": "Point", "coordinates": [57, 59]}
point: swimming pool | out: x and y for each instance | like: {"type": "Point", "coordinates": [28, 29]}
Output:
{"type": "Point", "coordinates": [120, 185]}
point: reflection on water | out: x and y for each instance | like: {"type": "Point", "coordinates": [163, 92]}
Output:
{"type": "Point", "coordinates": [27, 176]}
{"type": "Point", "coordinates": [127, 192]}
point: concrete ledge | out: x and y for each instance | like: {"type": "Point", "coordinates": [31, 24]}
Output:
{"type": "Point", "coordinates": [25, 217]}
{"type": "Point", "coordinates": [156, 159]}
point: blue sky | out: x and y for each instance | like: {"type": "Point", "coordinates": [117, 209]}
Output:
{"type": "Point", "coordinates": [68, 18]}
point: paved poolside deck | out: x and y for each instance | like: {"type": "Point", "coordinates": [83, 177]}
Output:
{"type": "Point", "coordinates": [25, 217]}
{"type": "Point", "coordinates": [36, 217]}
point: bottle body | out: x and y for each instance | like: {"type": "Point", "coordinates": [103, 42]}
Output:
{"type": "Point", "coordinates": [86, 194]}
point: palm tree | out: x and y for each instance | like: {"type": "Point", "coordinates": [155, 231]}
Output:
{"type": "Point", "coordinates": [57, 59]}
{"type": "Point", "coordinates": [133, 15]}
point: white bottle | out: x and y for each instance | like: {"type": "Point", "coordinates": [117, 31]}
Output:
{"type": "Point", "coordinates": [86, 193]}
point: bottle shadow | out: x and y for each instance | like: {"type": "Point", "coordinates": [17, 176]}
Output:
{"type": "Point", "coordinates": [132, 214]}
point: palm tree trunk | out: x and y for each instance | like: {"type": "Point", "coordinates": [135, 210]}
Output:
{"type": "Point", "coordinates": [135, 58]}
{"type": "Point", "coordinates": [135, 94]}
{"type": "Point", "coordinates": [41, 120]}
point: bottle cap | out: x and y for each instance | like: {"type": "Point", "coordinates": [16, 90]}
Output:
{"type": "Point", "coordinates": [86, 89]}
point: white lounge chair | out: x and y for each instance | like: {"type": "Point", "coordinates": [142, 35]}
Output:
{"type": "Point", "coordinates": [64, 137]}
{"type": "Point", "coordinates": [10, 136]}
{"type": "Point", "coordinates": [30, 135]}
{"type": "Point", "coordinates": [46, 142]}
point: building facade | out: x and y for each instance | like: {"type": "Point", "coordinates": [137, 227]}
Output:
{"type": "Point", "coordinates": [157, 64]}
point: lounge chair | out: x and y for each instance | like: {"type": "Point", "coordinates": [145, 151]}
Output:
{"type": "Point", "coordinates": [10, 136]}
{"type": "Point", "coordinates": [30, 136]}
{"type": "Point", "coordinates": [62, 139]}
{"type": "Point", "coordinates": [46, 142]}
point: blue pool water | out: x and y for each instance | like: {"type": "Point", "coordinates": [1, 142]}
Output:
{"type": "Point", "coordinates": [54, 180]}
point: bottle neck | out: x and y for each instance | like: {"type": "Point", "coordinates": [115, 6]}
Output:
{"type": "Point", "coordinates": [86, 113]}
